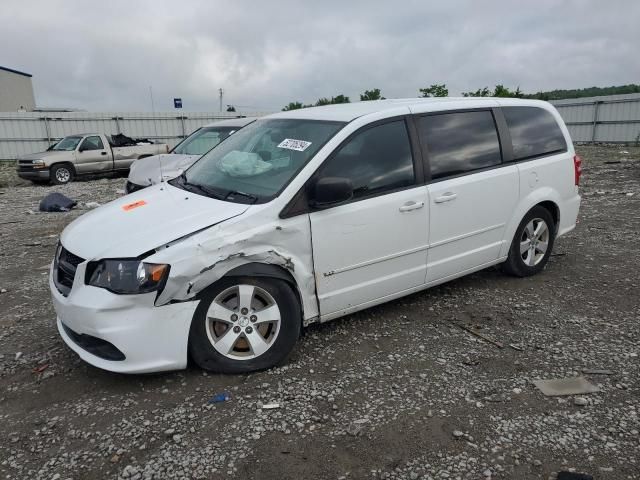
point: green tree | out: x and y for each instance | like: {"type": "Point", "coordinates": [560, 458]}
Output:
{"type": "Point", "coordinates": [481, 92]}
{"type": "Point", "coordinates": [498, 91]}
{"type": "Point", "coordinates": [371, 95]}
{"type": "Point", "coordinates": [337, 99]}
{"type": "Point", "coordinates": [293, 106]}
{"type": "Point", "coordinates": [435, 90]}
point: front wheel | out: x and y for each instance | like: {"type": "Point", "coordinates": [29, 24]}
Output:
{"type": "Point", "coordinates": [61, 174]}
{"type": "Point", "coordinates": [532, 244]}
{"type": "Point", "coordinates": [244, 324]}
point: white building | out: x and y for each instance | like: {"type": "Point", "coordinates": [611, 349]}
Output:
{"type": "Point", "coordinates": [16, 91]}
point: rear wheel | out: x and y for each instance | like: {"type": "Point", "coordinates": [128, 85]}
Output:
{"type": "Point", "coordinates": [244, 324]}
{"type": "Point", "coordinates": [532, 243]}
{"type": "Point", "coordinates": [61, 174]}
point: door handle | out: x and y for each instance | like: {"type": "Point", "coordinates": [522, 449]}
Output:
{"type": "Point", "coordinates": [447, 197]}
{"type": "Point", "coordinates": [103, 153]}
{"type": "Point", "coordinates": [407, 207]}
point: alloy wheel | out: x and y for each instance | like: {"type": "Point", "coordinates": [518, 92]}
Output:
{"type": "Point", "coordinates": [534, 242]}
{"type": "Point", "coordinates": [243, 322]}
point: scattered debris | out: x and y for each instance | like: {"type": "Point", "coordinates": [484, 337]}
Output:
{"type": "Point", "coordinates": [355, 428]}
{"type": "Point", "coordinates": [220, 397]}
{"type": "Point", "coordinates": [590, 371]}
{"type": "Point", "coordinates": [41, 368]}
{"type": "Point", "coordinates": [565, 386]}
{"type": "Point", "coordinates": [611, 162]}
{"type": "Point", "coordinates": [516, 347]}
{"type": "Point", "coordinates": [91, 205]}
{"type": "Point", "coordinates": [32, 244]}
{"type": "Point", "coordinates": [270, 406]}
{"type": "Point", "coordinates": [573, 476]}
{"type": "Point", "coordinates": [18, 355]}
{"type": "Point", "coordinates": [458, 433]}
{"type": "Point", "coordinates": [3, 290]}
{"type": "Point", "coordinates": [56, 202]}
{"type": "Point", "coordinates": [481, 335]}
{"type": "Point", "coordinates": [580, 402]}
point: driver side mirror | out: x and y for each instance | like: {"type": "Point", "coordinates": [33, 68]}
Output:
{"type": "Point", "coordinates": [82, 148]}
{"type": "Point", "coordinates": [329, 191]}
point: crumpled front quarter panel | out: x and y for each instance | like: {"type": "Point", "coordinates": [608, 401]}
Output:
{"type": "Point", "coordinates": [257, 236]}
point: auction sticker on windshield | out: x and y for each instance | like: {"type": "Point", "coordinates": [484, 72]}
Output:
{"type": "Point", "coordinates": [291, 144]}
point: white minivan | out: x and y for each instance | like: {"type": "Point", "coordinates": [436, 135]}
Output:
{"type": "Point", "coordinates": [308, 215]}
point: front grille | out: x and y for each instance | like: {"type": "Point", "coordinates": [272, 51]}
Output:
{"type": "Point", "coordinates": [66, 264]}
{"type": "Point", "coordinates": [94, 345]}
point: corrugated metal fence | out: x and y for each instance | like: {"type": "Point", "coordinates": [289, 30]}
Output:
{"type": "Point", "coordinates": [611, 119]}
{"type": "Point", "coordinates": [614, 118]}
{"type": "Point", "coordinates": [28, 132]}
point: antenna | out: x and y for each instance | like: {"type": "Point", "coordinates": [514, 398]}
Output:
{"type": "Point", "coordinates": [221, 94]}
{"type": "Point", "coordinates": [155, 129]}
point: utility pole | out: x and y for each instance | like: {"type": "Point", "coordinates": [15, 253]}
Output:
{"type": "Point", "coordinates": [221, 93]}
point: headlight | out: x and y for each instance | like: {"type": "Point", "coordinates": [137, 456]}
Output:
{"type": "Point", "coordinates": [127, 276]}
{"type": "Point", "coordinates": [38, 163]}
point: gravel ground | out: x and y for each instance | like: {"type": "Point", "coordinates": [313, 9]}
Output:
{"type": "Point", "coordinates": [397, 391]}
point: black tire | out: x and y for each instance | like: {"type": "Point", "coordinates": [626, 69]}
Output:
{"type": "Point", "coordinates": [61, 174]}
{"type": "Point", "coordinates": [207, 357]}
{"type": "Point", "coordinates": [515, 264]}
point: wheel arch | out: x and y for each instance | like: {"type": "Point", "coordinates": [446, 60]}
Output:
{"type": "Point", "coordinates": [268, 270]}
{"type": "Point", "coordinates": [547, 198]}
{"type": "Point", "coordinates": [66, 162]}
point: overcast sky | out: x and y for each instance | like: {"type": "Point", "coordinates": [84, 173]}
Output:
{"type": "Point", "coordinates": [104, 55]}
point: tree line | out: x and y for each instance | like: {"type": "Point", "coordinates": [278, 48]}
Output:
{"type": "Point", "coordinates": [440, 90]}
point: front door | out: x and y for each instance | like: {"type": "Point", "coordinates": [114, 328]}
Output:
{"type": "Point", "coordinates": [375, 245]}
{"type": "Point", "coordinates": [92, 156]}
{"type": "Point", "coordinates": [472, 193]}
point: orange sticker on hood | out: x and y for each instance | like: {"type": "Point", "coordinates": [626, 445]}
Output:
{"type": "Point", "coordinates": [131, 206]}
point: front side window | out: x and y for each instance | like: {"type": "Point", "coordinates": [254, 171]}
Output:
{"type": "Point", "coordinates": [376, 160]}
{"type": "Point", "coordinates": [460, 142]}
{"type": "Point", "coordinates": [258, 161]}
{"type": "Point", "coordinates": [92, 143]}
{"type": "Point", "coordinates": [67, 143]}
{"type": "Point", "coordinates": [203, 140]}
{"type": "Point", "coordinates": [534, 131]}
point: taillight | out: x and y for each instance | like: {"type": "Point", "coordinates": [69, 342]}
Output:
{"type": "Point", "coordinates": [577, 168]}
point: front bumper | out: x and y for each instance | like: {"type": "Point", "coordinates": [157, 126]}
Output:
{"type": "Point", "coordinates": [32, 173]}
{"type": "Point", "coordinates": [150, 338]}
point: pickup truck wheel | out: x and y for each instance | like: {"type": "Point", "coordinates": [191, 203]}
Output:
{"type": "Point", "coordinates": [532, 243]}
{"type": "Point", "coordinates": [244, 324]}
{"type": "Point", "coordinates": [61, 174]}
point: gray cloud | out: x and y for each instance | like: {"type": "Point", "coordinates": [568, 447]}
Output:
{"type": "Point", "coordinates": [105, 55]}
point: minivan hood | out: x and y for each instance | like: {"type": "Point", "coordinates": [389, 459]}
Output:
{"type": "Point", "coordinates": [152, 170]}
{"type": "Point", "coordinates": [147, 219]}
{"type": "Point", "coordinates": [48, 154]}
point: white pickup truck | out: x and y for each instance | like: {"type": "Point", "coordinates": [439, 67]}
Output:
{"type": "Point", "coordinates": [84, 154]}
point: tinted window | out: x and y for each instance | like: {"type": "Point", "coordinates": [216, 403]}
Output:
{"type": "Point", "coordinates": [534, 132]}
{"type": "Point", "coordinates": [92, 143]}
{"type": "Point", "coordinates": [460, 142]}
{"type": "Point", "coordinates": [376, 160]}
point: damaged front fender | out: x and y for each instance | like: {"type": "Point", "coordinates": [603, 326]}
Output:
{"type": "Point", "coordinates": [200, 260]}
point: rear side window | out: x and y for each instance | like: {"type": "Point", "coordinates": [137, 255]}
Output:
{"type": "Point", "coordinates": [460, 142]}
{"type": "Point", "coordinates": [376, 160]}
{"type": "Point", "coordinates": [534, 132]}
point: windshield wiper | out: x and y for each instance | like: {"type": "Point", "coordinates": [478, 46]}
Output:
{"type": "Point", "coordinates": [235, 193]}
{"type": "Point", "coordinates": [202, 188]}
